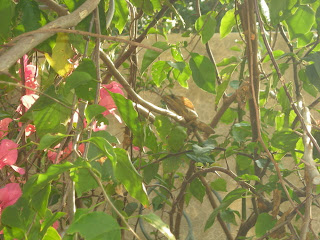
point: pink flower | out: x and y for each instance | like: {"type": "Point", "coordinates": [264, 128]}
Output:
{"type": "Point", "coordinates": [9, 195]}
{"type": "Point", "coordinates": [29, 100]}
{"type": "Point", "coordinates": [107, 101]}
{"type": "Point", "coordinates": [30, 74]}
{"type": "Point", "coordinates": [8, 152]}
{"type": "Point", "coordinates": [9, 155]}
{"type": "Point", "coordinates": [65, 152]}
{"type": "Point", "coordinates": [29, 128]}
{"type": "Point", "coordinates": [4, 124]}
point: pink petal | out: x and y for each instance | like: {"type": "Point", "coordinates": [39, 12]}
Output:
{"type": "Point", "coordinates": [29, 100]}
{"type": "Point", "coordinates": [114, 87]}
{"type": "Point", "coordinates": [99, 127]}
{"type": "Point", "coordinates": [8, 152]}
{"type": "Point", "coordinates": [9, 195]}
{"type": "Point", "coordinates": [55, 225]}
{"type": "Point", "coordinates": [136, 148]}
{"type": "Point", "coordinates": [4, 124]}
{"type": "Point", "coordinates": [18, 169]}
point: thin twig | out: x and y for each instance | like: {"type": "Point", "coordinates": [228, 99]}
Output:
{"type": "Point", "coordinates": [111, 204]}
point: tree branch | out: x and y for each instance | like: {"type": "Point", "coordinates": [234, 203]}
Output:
{"type": "Point", "coordinates": [10, 56]}
{"type": "Point", "coordinates": [55, 7]}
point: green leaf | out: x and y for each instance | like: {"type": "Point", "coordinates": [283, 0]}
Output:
{"type": "Point", "coordinates": [129, 177]}
{"type": "Point", "coordinates": [229, 116]}
{"type": "Point", "coordinates": [264, 223]}
{"type": "Point", "coordinates": [313, 70]}
{"type": "Point", "coordinates": [160, 72]}
{"type": "Point", "coordinates": [12, 233]}
{"type": "Point", "coordinates": [121, 14]}
{"type": "Point", "coordinates": [227, 61]}
{"type": "Point", "coordinates": [220, 90]}
{"type": "Point", "coordinates": [228, 199]}
{"type": "Point", "coordinates": [243, 162]}
{"type": "Point", "coordinates": [197, 189]}
{"type": "Point", "coordinates": [280, 10]}
{"type": "Point", "coordinates": [227, 23]}
{"type": "Point", "coordinates": [40, 200]}
{"type": "Point", "coordinates": [284, 140]}
{"type": "Point", "coordinates": [131, 208]}
{"type": "Point", "coordinates": [151, 55]}
{"type": "Point", "coordinates": [157, 223]}
{"type": "Point", "coordinates": [96, 226]}
{"type": "Point", "coordinates": [50, 140]}
{"type": "Point", "coordinates": [83, 80]}
{"type": "Point", "coordinates": [129, 115]}
{"type": "Point", "coordinates": [249, 177]}
{"type": "Point", "coordinates": [83, 179]}
{"type": "Point", "coordinates": [240, 131]}
{"type": "Point", "coordinates": [276, 53]}
{"type": "Point", "coordinates": [104, 146]}
{"type": "Point", "coordinates": [49, 220]}
{"type": "Point", "coordinates": [203, 72]}
{"type": "Point", "coordinates": [182, 76]}
{"type": "Point", "coordinates": [228, 216]}
{"type": "Point", "coordinates": [176, 138]}
{"type": "Point", "coordinates": [32, 17]}
{"type": "Point", "coordinates": [307, 86]}
{"type": "Point", "coordinates": [301, 21]}
{"type": "Point", "coordinates": [92, 111]}
{"type": "Point", "coordinates": [39, 181]}
{"type": "Point", "coordinates": [50, 119]}
{"type": "Point", "coordinates": [6, 14]}
{"type": "Point", "coordinates": [219, 185]}
{"type": "Point", "coordinates": [163, 126]}
{"type": "Point", "coordinates": [206, 26]}
{"type": "Point", "coordinates": [51, 234]}
{"type": "Point", "coordinates": [200, 158]}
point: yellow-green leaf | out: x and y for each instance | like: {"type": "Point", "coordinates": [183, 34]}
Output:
{"type": "Point", "coordinates": [61, 53]}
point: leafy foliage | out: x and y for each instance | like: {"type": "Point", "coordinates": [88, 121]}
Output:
{"type": "Point", "coordinates": [97, 139]}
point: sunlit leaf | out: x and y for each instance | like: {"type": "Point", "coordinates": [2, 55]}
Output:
{"type": "Point", "coordinates": [203, 72]}
{"type": "Point", "coordinates": [129, 115]}
{"type": "Point", "coordinates": [40, 181]}
{"type": "Point", "coordinates": [129, 177]}
{"type": "Point", "coordinates": [61, 53]}
{"type": "Point", "coordinates": [227, 23]}
{"type": "Point", "coordinates": [121, 14]}
{"type": "Point", "coordinates": [51, 234]}
{"type": "Point", "coordinates": [157, 223]}
{"type": "Point", "coordinates": [92, 111]}
{"type": "Point", "coordinates": [151, 55]}
{"type": "Point", "coordinates": [96, 225]}
{"type": "Point", "coordinates": [50, 140]}
{"type": "Point", "coordinates": [301, 21]}
{"type": "Point", "coordinates": [285, 140]}
{"type": "Point", "coordinates": [160, 72]}
{"type": "Point", "coordinates": [206, 26]}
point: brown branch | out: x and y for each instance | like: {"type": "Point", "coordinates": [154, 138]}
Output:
{"type": "Point", "coordinates": [179, 203]}
{"type": "Point", "coordinates": [132, 48]}
{"type": "Point", "coordinates": [276, 66]}
{"type": "Point", "coordinates": [84, 33]}
{"type": "Point", "coordinates": [214, 206]}
{"type": "Point", "coordinates": [151, 107]}
{"type": "Point", "coordinates": [55, 7]}
{"type": "Point", "coordinates": [10, 56]}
